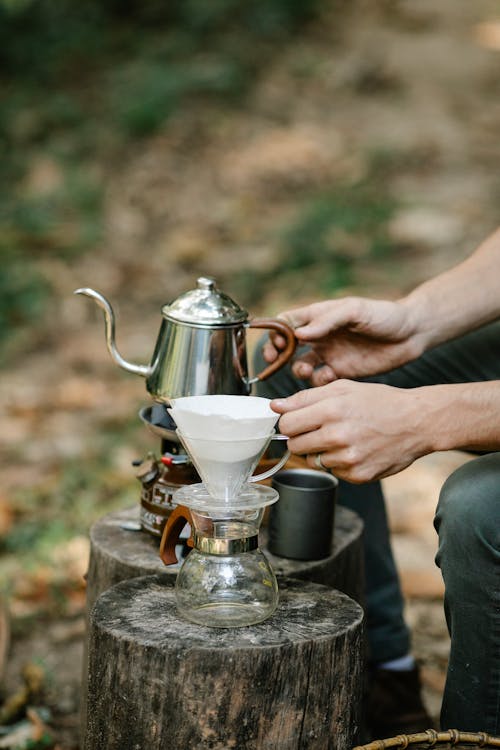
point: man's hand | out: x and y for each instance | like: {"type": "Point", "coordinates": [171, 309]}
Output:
{"type": "Point", "coordinates": [356, 337]}
{"type": "Point", "coordinates": [363, 431]}
{"type": "Point", "coordinates": [351, 337]}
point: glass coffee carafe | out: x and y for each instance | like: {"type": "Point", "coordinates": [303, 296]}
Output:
{"type": "Point", "coordinates": [226, 580]}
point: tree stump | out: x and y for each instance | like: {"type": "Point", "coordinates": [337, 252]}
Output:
{"type": "Point", "coordinates": [292, 682]}
{"type": "Point", "coordinates": [117, 554]}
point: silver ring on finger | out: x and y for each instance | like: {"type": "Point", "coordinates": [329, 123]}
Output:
{"type": "Point", "coordinates": [318, 462]}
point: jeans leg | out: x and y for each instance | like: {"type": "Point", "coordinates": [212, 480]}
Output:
{"type": "Point", "coordinates": [468, 524]}
{"type": "Point", "coordinates": [473, 357]}
{"type": "Point", "coordinates": [387, 634]}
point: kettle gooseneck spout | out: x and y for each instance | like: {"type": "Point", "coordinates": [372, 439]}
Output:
{"type": "Point", "coordinates": [109, 319]}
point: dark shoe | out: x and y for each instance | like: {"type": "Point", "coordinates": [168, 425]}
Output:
{"type": "Point", "coordinates": [394, 704]}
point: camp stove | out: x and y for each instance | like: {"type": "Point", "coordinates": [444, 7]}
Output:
{"type": "Point", "coordinates": [161, 477]}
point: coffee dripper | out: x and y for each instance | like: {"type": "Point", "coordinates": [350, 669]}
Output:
{"type": "Point", "coordinates": [226, 580]}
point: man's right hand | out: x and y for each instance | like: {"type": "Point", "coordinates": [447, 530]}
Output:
{"type": "Point", "coordinates": [351, 338]}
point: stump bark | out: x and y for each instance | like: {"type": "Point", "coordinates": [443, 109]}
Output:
{"type": "Point", "coordinates": [290, 683]}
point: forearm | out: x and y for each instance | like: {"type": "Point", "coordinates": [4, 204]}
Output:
{"type": "Point", "coordinates": [464, 416]}
{"type": "Point", "coordinates": [459, 300]}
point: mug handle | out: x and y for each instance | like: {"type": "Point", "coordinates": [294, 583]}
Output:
{"type": "Point", "coordinates": [284, 356]}
{"type": "Point", "coordinates": [276, 467]}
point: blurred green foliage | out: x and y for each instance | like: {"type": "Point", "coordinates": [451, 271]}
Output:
{"type": "Point", "coordinates": [163, 50]}
{"type": "Point", "coordinates": [48, 516]}
{"type": "Point", "coordinates": [79, 81]}
{"type": "Point", "coordinates": [23, 293]}
{"type": "Point", "coordinates": [70, 498]}
{"type": "Point", "coordinates": [335, 227]}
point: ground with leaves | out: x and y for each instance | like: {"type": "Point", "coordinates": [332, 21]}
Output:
{"type": "Point", "coordinates": [360, 155]}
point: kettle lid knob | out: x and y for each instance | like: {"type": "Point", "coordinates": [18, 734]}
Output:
{"type": "Point", "coordinates": [205, 306]}
{"type": "Point", "coordinates": [207, 283]}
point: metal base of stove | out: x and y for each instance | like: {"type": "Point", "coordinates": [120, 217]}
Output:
{"type": "Point", "coordinates": [160, 478]}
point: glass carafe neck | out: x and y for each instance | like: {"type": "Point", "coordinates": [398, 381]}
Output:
{"type": "Point", "coordinates": [208, 545]}
{"type": "Point", "coordinates": [227, 536]}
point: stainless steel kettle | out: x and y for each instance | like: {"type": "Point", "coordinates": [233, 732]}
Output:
{"type": "Point", "coordinates": [201, 345]}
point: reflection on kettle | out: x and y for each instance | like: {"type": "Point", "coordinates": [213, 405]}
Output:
{"type": "Point", "coordinates": [201, 345]}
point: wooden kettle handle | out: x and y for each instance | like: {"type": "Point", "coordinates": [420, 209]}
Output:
{"type": "Point", "coordinates": [284, 356]}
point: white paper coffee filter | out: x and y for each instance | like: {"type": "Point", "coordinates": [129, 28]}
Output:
{"type": "Point", "coordinates": [224, 465]}
{"type": "Point", "coordinates": [206, 451]}
{"type": "Point", "coordinates": [223, 417]}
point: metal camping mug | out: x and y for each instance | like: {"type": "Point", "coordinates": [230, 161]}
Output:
{"type": "Point", "coordinates": [301, 523]}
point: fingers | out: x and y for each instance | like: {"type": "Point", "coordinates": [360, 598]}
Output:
{"type": "Point", "coordinates": [353, 428]}
{"type": "Point", "coordinates": [309, 419]}
{"type": "Point", "coordinates": [323, 376]}
{"type": "Point", "coordinates": [276, 342]}
{"type": "Point", "coordinates": [323, 318]}
{"type": "Point", "coordinates": [269, 352]}
{"type": "Point", "coordinates": [298, 317]}
{"type": "Point", "coordinates": [313, 463]}
{"type": "Point", "coordinates": [320, 376]}
{"type": "Point", "coordinates": [304, 365]}
{"type": "Point", "coordinates": [308, 444]}
{"type": "Point", "coordinates": [315, 329]}
{"type": "Point", "coordinates": [315, 321]}
{"type": "Point", "coordinates": [302, 370]}
{"type": "Point", "coordinates": [303, 416]}
{"type": "Point", "coordinates": [299, 400]}
{"type": "Point", "coordinates": [313, 324]}
{"type": "Point", "coordinates": [342, 469]}
{"type": "Point", "coordinates": [274, 345]}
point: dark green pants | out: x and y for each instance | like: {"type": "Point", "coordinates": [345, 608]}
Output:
{"type": "Point", "coordinates": [468, 524]}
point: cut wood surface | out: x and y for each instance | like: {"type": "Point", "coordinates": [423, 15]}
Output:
{"type": "Point", "coordinates": [117, 554]}
{"type": "Point", "coordinates": [157, 681]}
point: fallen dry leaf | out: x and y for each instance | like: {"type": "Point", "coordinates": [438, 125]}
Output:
{"type": "Point", "coordinates": [487, 34]}
{"type": "Point", "coordinates": [422, 584]}
{"type": "Point", "coordinates": [6, 515]}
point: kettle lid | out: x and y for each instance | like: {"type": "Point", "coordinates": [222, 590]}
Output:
{"type": "Point", "coordinates": [205, 306]}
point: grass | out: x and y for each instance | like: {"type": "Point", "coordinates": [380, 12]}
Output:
{"type": "Point", "coordinates": [48, 516]}
{"type": "Point", "coordinates": [65, 503]}
{"type": "Point", "coordinates": [83, 82]}
{"type": "Point", "coordinates": [334, 230]}
{"type": "Point", "coordinates": [80, 83]}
